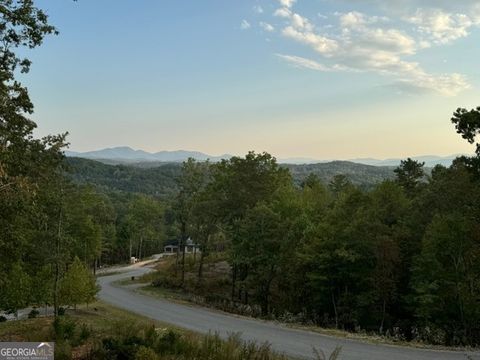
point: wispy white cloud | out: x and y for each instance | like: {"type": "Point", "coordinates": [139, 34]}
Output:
{"type": "Point", "coordinates": [258, 9]}
{"type": "Point", "coordinates": [441, 27]}
{"type": "Point", "coordinates": [245, 25]}
{"type": "Point", "coordinates": [266, 26]}
{"type": "Point", "coordinates": [287, 3]}
{"type": "Point", "coordinates": [356, 41]}
{"type": "Point", "coordinates": [303, 63]}
{"type": "Point", "coordinates": [283, 12]}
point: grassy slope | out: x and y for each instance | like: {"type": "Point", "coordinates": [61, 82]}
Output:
{"type": "Point", "coordinates": [134, 337]}
{"type": "Point", "coordinates": [100, 317]}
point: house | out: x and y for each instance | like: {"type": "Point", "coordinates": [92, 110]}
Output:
{"type": "Point", "coordinates": [170, 249]}
{"type": "Point", "coordinates": [190, 248]}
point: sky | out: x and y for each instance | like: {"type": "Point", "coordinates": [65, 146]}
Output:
{"type": "Point", "coordinates": [323, 79]}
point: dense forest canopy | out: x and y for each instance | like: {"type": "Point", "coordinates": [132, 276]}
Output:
{"type": "Point", "coordinates": [402, 258]}
{"type": "Point", "coordinates": [161, 180]}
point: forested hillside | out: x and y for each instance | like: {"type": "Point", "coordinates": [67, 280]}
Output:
{"type": "Point", "coordinates": [160, 179]}
{"type": "Point", "coordinates": [402, 258]}
{"type": "Point", "coordinates": [365, 176]}
{"type": "Point", "coordinates": [157, 181]}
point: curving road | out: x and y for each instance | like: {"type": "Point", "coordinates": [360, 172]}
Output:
{"type": "Point", "coordinates": [295, 343]}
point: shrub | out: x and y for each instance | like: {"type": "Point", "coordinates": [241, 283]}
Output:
{"type": "Point", "coordinates": [145, 353]}
{"type": "Point", "coordinates": [64, 328]}
{"type": "Point", "coordinates": [63, 350]}
{"type": "Point", "coordinates": [3, 319]}
{"type": "Point", "coordinates": [85, 333]}
{"type": "Point", "coordinates": [33, 314]}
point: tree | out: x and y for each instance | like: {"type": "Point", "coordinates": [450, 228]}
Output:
{"type": "Point", "coordinates": [78, 285]}
{"type": "Point", "coordinates": [240, 184]}
{"type": "Point", "coordinates": [339, 261]}
{"type": "Point", "coordinates": [22, 158]}
{"type": "Point", "coordinates": [144, 221]}
{"type": "Point", "coordinates": [383, 226]}
{"type": "Point", "coordinates": [409, 174]}
{"type": "Point", "coordinates": [339, 184]}
{"type": "Point", "coordinates": [204, 223]}
{"type": "Point", "coordinates": [193, 180]}
{"type": "Point", "coordinates": [16, 290]}
{"type": "Point", "coordinates": [42, 290]}
{"type": "Point", "coordinates": [467, 124]}
{"type": "Point", "coordinates": [447, 277]}
{"type": "Point", "coordinates": [260, 249]}
{"type": "Point", "coordinates": [26, 164]}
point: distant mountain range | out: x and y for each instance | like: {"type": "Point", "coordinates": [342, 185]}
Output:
{"type": "Point", "coordinates": [127, 155]}
{"type": "Point", "coordinates": [429, 160]}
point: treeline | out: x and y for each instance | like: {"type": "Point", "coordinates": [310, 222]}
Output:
{"type": "Point", "coordinates": [402, 259]}
{"type": "Point", "coordinates": [50, 225]}
{"type": "Point", "coordinates": [161, 180]}
{"type": "Point", "coordinates": [54, 233]}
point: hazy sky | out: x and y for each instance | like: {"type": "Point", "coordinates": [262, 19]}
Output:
{"type": "Point", "coordinates": [307, 78]}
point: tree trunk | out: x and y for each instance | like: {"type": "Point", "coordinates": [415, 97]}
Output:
{"type": "Point", "coordinates": [383, 315]}
{"type": "Point", "coordinates": [335, 310]}
{"type": "Point", "coordinates": [183, 266]}
{"type": "Point", "coordinates": [200, 267]}
{"type": "Point", "coordinates": [234, 279]}
{"type": "Point", "coordinates": [183, 239]}
{"type": "Point", "coordinates": [176, 260]}
{"type": "Point", "coordinates": [130, 251]}
{"type": "Point", "coordinates": [266, 291]}
{"type": "Point", "coordinates": [57, 266]}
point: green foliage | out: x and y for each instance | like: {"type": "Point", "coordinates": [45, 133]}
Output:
{"type": "Point", "coordinates": [152, 344]}
{"type": "Point", "coordinates": [363, 176]}
{"type": "Point", "coordinates": [16, 289]}
{"type": "Point", "coordinates": [447, 278]}
{"type": "Point", "coordinates": [33, 314]}
{"type": "Point", "coordinates": [145, 353]}
{"type": "Point", "coordinates": [160, 181]}
{"type": "Point", "coordinates": [409, 174]}
{"type": "Point", "coordinates": [78, 285]}
{"type": "Point", "coordinates": [400, 260]}
{"type": "Point", "coordinates": [26, 163]}
{"type": "Point", "coordinates": [467, 123]}
{"type": "Point", "coordinates": [64, 328]}
{"type": "Point", "coordinates": [143, 225]}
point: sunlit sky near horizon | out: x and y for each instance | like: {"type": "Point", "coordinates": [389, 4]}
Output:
{"type": "Point", "coordinates": [324, 79]}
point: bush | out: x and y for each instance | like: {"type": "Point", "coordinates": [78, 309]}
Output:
{"type": "Point", "coordinates": [166, 281]}
{"type": "Point", "coordinates": [63, 350]}
{"type": "Point", "coordinates": [85, 333]}
{"type": "Point", "coordinates": [145, 353]}
{"type": "Point", "coordinates": [3, 319]}
{"type": "Point", "coordinates": [149, 343]}
{"type": "Point", "coordinates": [64, 328]}
{"type": "Point", "coordinates": [33, 314]}
{"type": "Point", "coordinates": [121, 348]}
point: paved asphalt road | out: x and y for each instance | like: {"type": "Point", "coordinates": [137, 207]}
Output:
{"type": "Point", "coordinates": [295, 343]}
